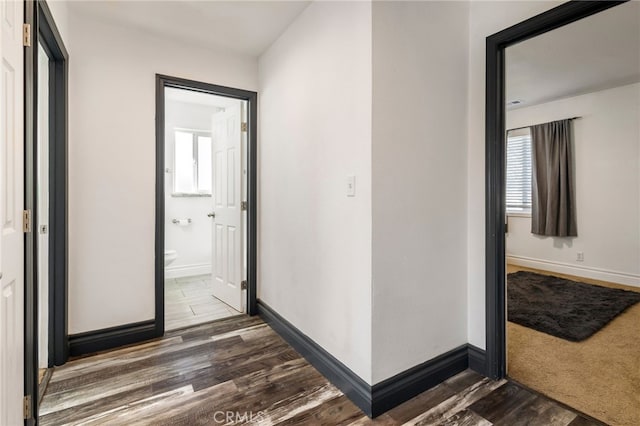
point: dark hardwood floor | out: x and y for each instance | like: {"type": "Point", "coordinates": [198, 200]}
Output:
{"type": "Point", "coordinates": [239, 371]}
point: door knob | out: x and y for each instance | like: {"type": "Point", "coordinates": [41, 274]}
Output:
{"type": "Point", "coordinates": [212, 214]}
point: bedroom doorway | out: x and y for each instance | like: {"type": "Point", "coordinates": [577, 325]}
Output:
{"type": "Point", "coordinates": [570, 275]}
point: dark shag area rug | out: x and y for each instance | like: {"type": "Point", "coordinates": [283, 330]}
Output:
{"type": "Point", "coordinates": [563, 308]}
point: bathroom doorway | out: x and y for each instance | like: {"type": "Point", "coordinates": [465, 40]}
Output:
{"type": "Point", "coordinates": [205, 176]}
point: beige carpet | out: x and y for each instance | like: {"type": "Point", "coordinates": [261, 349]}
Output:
{"type": "Point", "coordinates": [599, 376]}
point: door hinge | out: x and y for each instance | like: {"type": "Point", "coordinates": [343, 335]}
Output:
{"type": "Point", "coordinates": [26, 407]}
{"type": "Point", "coordinates": [26, 35]}
{"type": "Point", "coordinates": [243, 285]}
{"type": "Point", "coordinates": [243, 126]}
{"type": "Point", "coordinates": [26, 221]}
{"type": "Point", "coordinates": [243, 206]}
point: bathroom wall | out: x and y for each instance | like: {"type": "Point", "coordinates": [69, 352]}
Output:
{"type": "Point", "coordinates": [193, 241]}
{"type": "Point", "coordinates": [607, 176]}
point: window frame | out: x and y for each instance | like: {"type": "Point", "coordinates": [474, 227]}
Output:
{"type": "Point", "coordinates": [195, 135]}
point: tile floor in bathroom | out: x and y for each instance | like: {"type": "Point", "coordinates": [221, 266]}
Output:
{"type": "Point", "coordinates": [189, 301]}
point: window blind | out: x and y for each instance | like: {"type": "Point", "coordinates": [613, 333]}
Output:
{"type": "Point", "coordinates": [518, 196]}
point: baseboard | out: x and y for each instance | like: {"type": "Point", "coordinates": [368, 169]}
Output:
{"type": "Point", "coordinates": [381, 397]}
{"type": "Point", "coordinates": [404, 386]}
{"type": "Point", "coordinates": [42, 386]}
{"type": "Point", "coordinates": [356, 389]}
{"type": "Point", "coordinates": [477, 359]}
{"type": "Point", "coordinates": [113, 337]}
{"type": "Point", "coordinates": [187, 270]}
{"type": "Point", "coordinates": [578, 271]}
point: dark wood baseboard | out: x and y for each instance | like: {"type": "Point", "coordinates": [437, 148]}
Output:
{"type": "Point", "coordinates": [409, 383]}
{"type": "Point", "coordinates": [113, 337]}
{"type": "Point", "coordinates": [356, 389]}
{"type": "Point", "coordinates": [381, 397]}
{"type": "Point", "coordinates": [477, 359]}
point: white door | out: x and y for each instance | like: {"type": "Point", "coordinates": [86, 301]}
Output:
{"type": "Point", "coordinates": [11, 206]}
{"type": "Point", "coordinates": [227, 223]}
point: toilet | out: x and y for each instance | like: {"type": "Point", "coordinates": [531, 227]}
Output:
{"type": "Point", "coordinates": [169, 257]}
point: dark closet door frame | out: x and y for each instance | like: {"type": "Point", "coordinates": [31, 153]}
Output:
{"type": "Point", "coordinates": [45, 32]}
{"type": "Point", "coordinates": [495, 184]}
{"type": "Point", "coordinates": [49, 37]}
{"type": "Point", "coordinates": [162, 82]}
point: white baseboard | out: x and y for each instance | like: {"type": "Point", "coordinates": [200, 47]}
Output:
{"type": "Point", "coordinates": [186, 270]}
{"type": "Point", "coordinates": [578, 271]}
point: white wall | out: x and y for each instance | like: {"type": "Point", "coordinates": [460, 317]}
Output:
{"type": "Point", "coordinates": [485, 18]}
{"type": "Point", "coordinates": [112, 162]}
{"type": "Point", "coordinates": [607, 176]}
{"type": "Point", "coordinates": [315, 129]}
{"type": "Point", "coordinates": [60, 13]}
{"type": "Point", "coordinates": [192, 242]}
{"type": "Point", "coordinates": [42, 193]}
{"type": "Point", "coordinates": [419, 182]}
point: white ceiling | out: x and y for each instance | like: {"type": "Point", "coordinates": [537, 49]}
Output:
{"type": "Point", "coordinates": [595, 53]}
{"type": "Point", "coordinates": [246, 27]}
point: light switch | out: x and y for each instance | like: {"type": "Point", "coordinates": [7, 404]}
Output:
{"type": "Point", "coordinates": [351, 186]}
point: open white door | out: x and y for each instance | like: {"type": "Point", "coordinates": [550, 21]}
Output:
{"type": "Point", "coordinates": [227, 250]}
{"type": "Point", "coordinates": [11, 207]}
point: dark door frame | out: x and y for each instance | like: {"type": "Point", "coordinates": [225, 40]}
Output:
{"type": "Point", "coordinates": [44, 31]}
{"type": "Point", "coordinates": [496, 44]}
{"type": "Point", "coordinates": [49, 37]}
{"type": "Point", "coordinates": [162, 82]}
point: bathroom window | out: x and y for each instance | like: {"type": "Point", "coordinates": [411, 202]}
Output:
{"type": "Point", "coordinates": [192, 163]}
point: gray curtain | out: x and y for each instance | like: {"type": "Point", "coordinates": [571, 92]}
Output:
{"type": "Point", "coordinates": [553, 210]}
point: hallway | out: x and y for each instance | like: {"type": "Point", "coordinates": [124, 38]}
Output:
{"type": "Point", "coordinates": [240, 367]}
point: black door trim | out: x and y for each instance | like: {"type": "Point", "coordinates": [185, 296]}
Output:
{"type": "Point", "coordinates": [50, 38]}
{"type": "Point", "coordinates": [45, 31]}
{"type": "Point", "coordinates": [495, 164]}
{"type": "Point", "coordinates": [163, 81]}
